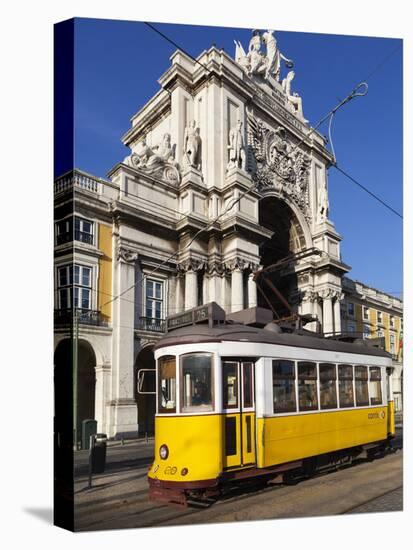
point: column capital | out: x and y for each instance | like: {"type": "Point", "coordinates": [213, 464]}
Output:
{"type": "Point", "coordinates": [309, 296]}
{"type": "Point", "coordinates": [126, 254]}
{"type": "Point", "coordinates": [191, 264]}
{"type": "Point", "coordinates": [237, 264]}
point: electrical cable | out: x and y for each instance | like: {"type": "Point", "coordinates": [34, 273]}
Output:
{"type": "Point", "coordinates": [330, 115]}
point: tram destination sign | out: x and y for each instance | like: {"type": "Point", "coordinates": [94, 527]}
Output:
{"type": "Point", "coordinates": [210, 313]}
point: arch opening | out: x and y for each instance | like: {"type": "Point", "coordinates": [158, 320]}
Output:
{"type": "Point", "coordinates": [64, 393]}
{"type": "Point", "coordinates": [288, 238]}
{"type": "Point", "coordinates": [146, 401]}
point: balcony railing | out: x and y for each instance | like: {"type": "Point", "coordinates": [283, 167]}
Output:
{"type": "Point", "coordinates": [78, 236]}
{"type": "Point", "coordinates": [151, 324]}
{"type": "Point", "coordinates": [84, 317]}
{"type": "Point", "coordinates": [78, 180]}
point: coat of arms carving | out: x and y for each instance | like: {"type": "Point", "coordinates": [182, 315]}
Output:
{"type": "Point", "coordinates": [278, 163]}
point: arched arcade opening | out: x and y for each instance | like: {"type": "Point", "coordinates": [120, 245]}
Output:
{"type": "Point", "coordinates": [64, 376]}
{"type": "Point", "coordinates": [145, 386]}
{"type": "Point", "coordinates": [288, 239]}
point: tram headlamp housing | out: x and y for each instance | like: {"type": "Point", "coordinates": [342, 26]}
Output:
{"type": "Point", "coordinates": [163, 452]}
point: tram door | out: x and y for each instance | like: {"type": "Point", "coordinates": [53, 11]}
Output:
{"type": "Point", "coordinates": [239, 413]}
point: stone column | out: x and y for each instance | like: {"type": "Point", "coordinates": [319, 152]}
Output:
{"type": "Point", "coordinates": [337, 313]}
{"type": "Point", "coordinates": [237, 284]}
{"type": "Point", "coordinates": [123, 418]}
{"type": "Point", "coordinates": [215, 272]}
{"type": "Point", "coordinates": [191, 289]}
{"type": "Point", "coordinates": [237, 295]}
{"type": "Point", "coordinates": [179, 294]}
{"type": "Point", "coordinates": [327, 312]}
{"type": "Point", "coordinates": [252, 291]}
{"type": "Point", "coordinates": [102, 373]}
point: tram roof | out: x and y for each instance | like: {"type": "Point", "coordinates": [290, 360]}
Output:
{"type": "Point", "coordinates": [232, 332]}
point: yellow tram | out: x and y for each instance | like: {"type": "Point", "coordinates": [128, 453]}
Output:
{"type": "Point", "coordinates": [237, 400]}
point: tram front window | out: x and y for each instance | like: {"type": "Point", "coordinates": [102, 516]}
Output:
{"type": "Point", "coordinates": [196, 383]}
{"type": "Point", "coordinates": [167, 384]}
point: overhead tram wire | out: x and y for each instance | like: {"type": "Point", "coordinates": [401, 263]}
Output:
{"type": "Point", "coordinates": [367, 190]}
{"type": "Point", "coordinates": [350, 96]}
{"type": "Point", "coordinates": [353, 93]}
{"type": "Point", "coordinates": [175, 44]}
{"type": "Point", "coordinates": [335, 165]}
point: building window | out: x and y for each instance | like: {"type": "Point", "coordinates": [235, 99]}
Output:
{"type": "Point", "coordinates": [392, 344]}
{"type": "Point", "coordinates": [362, 388]}
{"type": "Point", "coordinates": [83, 230]}
{"type": "Point", "coordinates": [380, 317]}
{"type": "Point", "coordinates": [351, 327]}
{"type": "Point", "coordinates": [380, 333]}
{"type": "Point", "coordinates": [74, 229]}
{"type": "Point", "coordinates": [366, 331]}
{"type": "Point", "coordinates": [365, 313]}
{"type": "Point", "coordinates": [154, 300]}
{"type": "Point", "coordinates": [283, 386]}
{"type": "Point", "coordinates": [391, 321]}
{"type": "Point", "coordinates": [307, 386]}
{"type": "Point", "coordinates": [345, 386]}
{"type": "Point", "coordinates": [75, 287]}
{"type": "Point", "coordinates": [63, 231]}
{"type": "Point", "coordinates": [350, 309]}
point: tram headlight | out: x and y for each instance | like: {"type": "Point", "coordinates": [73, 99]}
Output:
{"type": "Point", "coordinates": [163, 452]}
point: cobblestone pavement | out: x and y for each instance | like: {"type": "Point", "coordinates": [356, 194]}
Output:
{"type": "Point", "coordinates": [119, 497]}
{"type": "Point", "coordinates": [390, 502]}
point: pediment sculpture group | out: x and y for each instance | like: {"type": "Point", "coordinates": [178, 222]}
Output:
{"type": "Point", "coordinates": [273, 161]}
{"type": "Point", "coordinates": [159, 160]}
{"type": "Point", "coordinates": [265, 66]}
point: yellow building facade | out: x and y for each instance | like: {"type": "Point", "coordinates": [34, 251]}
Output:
{"type": "Point", "coordinates": [371, 313]}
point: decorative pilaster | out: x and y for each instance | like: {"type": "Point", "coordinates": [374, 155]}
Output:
{"type": "Point", "coordinates": [338, 296]}
{"type": "Point", "coordinates": [237, 266]}
{"type": "Point", "coordinates": [190, 267]}
{"type": "Point", "coordinates": [123, 417]}
{"type": "Point", "coordinates": [102, 373]}
{"type": "Point", "coordinates": [327, 296]}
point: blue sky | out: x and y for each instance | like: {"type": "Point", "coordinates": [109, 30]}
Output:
{"type": "Point", "coordinates": [118, 63]}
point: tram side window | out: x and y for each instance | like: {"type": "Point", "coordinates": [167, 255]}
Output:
{"type": "Point", "coordinates": [345, 386]}
{"type": "Point", "coordinates": [328, 390]}
{"type": "Point", "coordinates": [196, 383]}
{"type": "Point", "coordinates": [167, 384]}
{"type": "Point", "coordinates": [283, 385]}
{"type": "Point", "coordinates": [375, 386]}
{"type": "Point", "coordinates": [307, 386]}
{"type": "Point", "coordinates": [362, 388]}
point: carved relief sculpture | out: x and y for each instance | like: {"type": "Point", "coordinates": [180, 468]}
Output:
{"type": "Point", "coordinates": [192, 146]}
{"type": "Point", "coordinates": [278, 165]}
{"type": "Point", "coordinates": [157, 161]}
{"type": "Point", "coordinates": [322, 203]}
{"type": "Point", "coordinates": [237, 156]}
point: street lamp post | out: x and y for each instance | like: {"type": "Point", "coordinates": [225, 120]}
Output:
{"type": "Point", "coordinates": [75, 337]}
